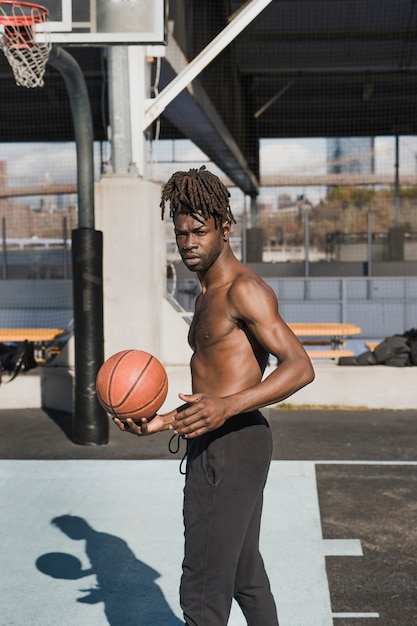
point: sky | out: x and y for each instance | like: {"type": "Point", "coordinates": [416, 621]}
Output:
{"type": "Point", "coordinates": [29, 162]}
{"type": "Point", "coordinates": [289, 156]}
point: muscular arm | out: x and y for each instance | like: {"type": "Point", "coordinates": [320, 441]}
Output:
{"type": "Point", "coordinates": [256, 304]}
{"type": "Point", "coordinates": [253, 303]}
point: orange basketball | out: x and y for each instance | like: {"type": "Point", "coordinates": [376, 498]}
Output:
{"type": "Point", "coordinates": [132, 383]}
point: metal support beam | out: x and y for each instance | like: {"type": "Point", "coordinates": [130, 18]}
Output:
{"type": "Point", "coordinates": [127, 73]}
{"type": "Point", "coordinates": [74, 80]}
{"type": "Point", "coordinates": [397, 182]}
{"type": "Point", "coordinates": [119, 108]}
{"type": "Point", "coordinates": [246, 15]}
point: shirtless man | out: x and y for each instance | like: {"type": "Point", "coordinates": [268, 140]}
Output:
{"type": "Point", "coordinates": [236, 326]}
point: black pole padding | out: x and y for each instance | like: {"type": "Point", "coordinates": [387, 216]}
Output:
{"type": "Point", "coordinates": [90, 421]}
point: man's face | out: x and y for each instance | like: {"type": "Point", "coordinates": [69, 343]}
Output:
{"type": "Point", "coordinates": [199, 241]}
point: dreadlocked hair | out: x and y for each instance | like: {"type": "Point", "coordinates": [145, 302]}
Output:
{"type": "Point", "coordinates": [198, 192]}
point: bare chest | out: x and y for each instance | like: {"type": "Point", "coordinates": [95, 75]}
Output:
{"type": "Point", "coordinates": [212, 322]}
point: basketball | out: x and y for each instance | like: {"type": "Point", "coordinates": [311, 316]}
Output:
{"type": "Point", "coordinates": [132, 383]}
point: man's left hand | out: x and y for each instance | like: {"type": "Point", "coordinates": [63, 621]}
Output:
{"type": "Point", "coordinates": [201, 414]}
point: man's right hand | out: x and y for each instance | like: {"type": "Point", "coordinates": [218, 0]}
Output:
{"type": "Point", "coordinates": [144, 426]}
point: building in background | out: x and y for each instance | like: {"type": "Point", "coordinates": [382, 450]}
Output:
{"type": "Point", "coordinates": [350, 155]}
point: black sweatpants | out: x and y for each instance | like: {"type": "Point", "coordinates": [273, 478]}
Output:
{"type": "Point", "coordinates": [225, 478]}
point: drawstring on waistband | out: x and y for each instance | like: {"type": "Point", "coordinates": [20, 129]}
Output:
{"type": "Point", "coordinates": [174, 445]}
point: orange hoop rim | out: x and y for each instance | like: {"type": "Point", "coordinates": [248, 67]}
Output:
{"type": "Point", "coordinates": [38, 15]}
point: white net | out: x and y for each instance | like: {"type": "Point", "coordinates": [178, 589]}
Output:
{"type": "Point", "coordinates": [19, 24]}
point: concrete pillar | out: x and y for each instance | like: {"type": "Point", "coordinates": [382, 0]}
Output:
{"type": "Point", "coordinates": [134, 266]}
{"type": "Point", "coordinates": [396, 243]}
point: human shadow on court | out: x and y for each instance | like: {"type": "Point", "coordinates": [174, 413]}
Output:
{"type": "Point", "coordinates": [125, 584]}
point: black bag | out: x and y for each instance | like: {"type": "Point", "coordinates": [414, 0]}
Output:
{"type": "Point", "coordinates": [411, 336]}
{"type": "Point", "coordinates": [347, 360]}
{"type": "Point", "coordinates": [366, 358]}
{"type": "Point", "coordinates": [393, 351]}
{"type": "Point", "coordinates": [15, 358]}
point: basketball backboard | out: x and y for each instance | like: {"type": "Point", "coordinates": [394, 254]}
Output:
{"type": "Point", "coordinates": [106, 22]}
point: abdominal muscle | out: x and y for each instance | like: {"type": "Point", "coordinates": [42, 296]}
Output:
{"type": "Point", "coordinates": [225, 368]}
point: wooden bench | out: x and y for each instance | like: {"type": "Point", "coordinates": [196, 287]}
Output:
{"type": "Point", "coordinates": [322, 342]}
{"type": "Point", "coordinates": [37, 335]}
{"type": "Point", "coordinates": [42, 339]}
{"type": "Point", "coordinates": [328, 354]}
{"type": "Point", "coordinates": [323, 333]}
{"type": "Point", "coordinates": [371, 345]}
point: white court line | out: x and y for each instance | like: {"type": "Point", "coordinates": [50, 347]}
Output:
{"type": "Point", "coordinates": [399, 463]}
{"type": "Point", "coordinates": [298, 569]}
{"type": "Point", "coordinates": [354, 615]}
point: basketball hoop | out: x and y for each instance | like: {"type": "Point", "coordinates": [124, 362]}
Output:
{"type": "Point", "coordinates": [19, 22]}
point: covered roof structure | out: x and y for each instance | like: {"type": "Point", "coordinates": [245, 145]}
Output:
{"type": "Point", "coordinates": [301, 68]}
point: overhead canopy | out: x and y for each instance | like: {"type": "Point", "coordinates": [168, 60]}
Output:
{"type": "Point", "coordinates": [302, 68]}
{"type": "Point", "coordinates": [332, 67]}
{"type": "Point", "coordinates": [317, 68]}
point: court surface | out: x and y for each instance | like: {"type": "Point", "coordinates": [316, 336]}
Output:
{"type": "Point", "coordinates": [93, 535]}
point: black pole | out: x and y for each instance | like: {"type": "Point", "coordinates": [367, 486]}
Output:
{"type": "Point", "coordinates": [90, 421]}
{"type": "Point", "coordinates": [4, 246]}
{"type": "Point", "coordinates": [65, 246]}
{"type": "Point", "coordinates": [71, 72]}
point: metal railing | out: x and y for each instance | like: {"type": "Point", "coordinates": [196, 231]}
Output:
{"type": "Point", "coordinates": [381, 306]}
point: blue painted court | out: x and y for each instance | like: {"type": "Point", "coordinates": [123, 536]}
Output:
{"type": "Point", "coordinates": [94, 538]}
